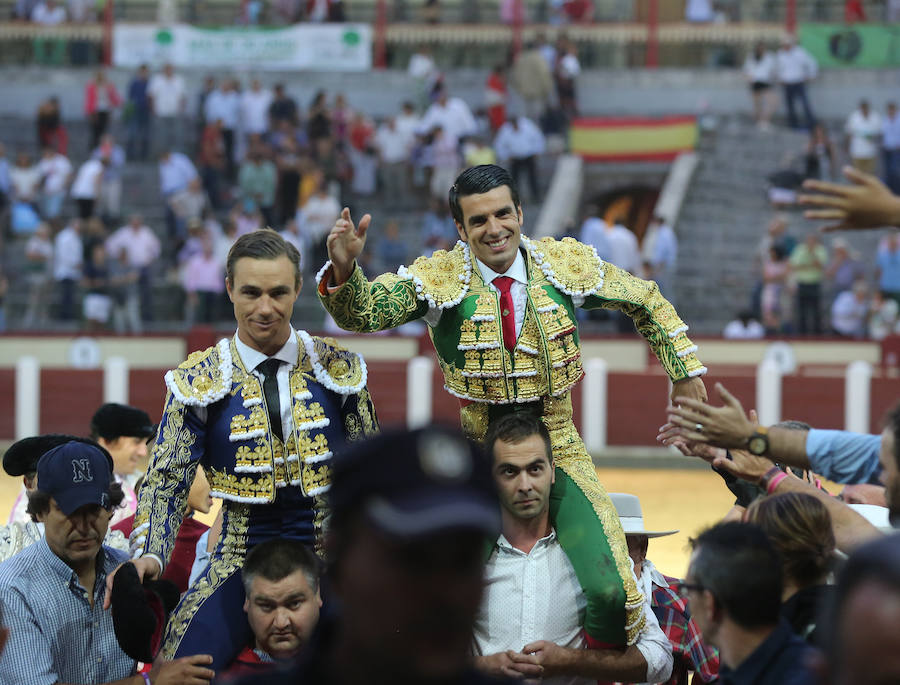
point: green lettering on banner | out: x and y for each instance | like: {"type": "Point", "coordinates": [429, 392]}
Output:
{"type": "Point", "coordinates": [852, 45]}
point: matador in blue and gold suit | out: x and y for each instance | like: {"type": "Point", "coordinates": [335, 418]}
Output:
{"type": "Point", "coordinates": [216, 415]}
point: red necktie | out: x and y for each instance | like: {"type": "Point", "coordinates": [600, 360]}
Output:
{"type": "Point", "coordinates": [508, 312]}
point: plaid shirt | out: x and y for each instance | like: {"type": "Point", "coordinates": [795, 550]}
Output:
{"type": "Point", "coordinates": [675, 619]}
{"type": "Point", "coordinates": [55, 635]}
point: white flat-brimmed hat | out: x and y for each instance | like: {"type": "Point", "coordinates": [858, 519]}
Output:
{"type": "Point", "coordinates": [629, 509]}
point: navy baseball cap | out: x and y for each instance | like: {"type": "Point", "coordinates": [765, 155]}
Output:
{"type": "Point", "coordinates": [410, 484]}
{"type": "Point", "coordinates": [75, 474]}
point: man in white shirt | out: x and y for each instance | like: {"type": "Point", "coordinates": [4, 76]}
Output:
{"type": "Point", "coordinates": [394, 147]}
{"type": "Point", "coordinates": [224, 104]}
{"type": "Point", "coordinates": [530, 622]}
{"type": "Point", "coordinates": [890, 145]}
{"type": "Point", "coordinates": [452, 115]}
{"type": "Point", "coordinates": [168, 99]}
{"type": "Point", "coordinates": [863, 130]}
{"type": "Point", "coordinates": [48, 13]}
{"type": "Point", "coordinates": [519, 142]}
{"type": "Point", "coordinates": [86, 186]}
{"type": "Point", "coordinates": [55, 170]}
{"type": "Point", "coordinates": [255, 104]}
{"type": "Point", "coordinates": [850, 310]}
{"type": "Point", "coordinates": [623, 247]}
{"type": "Point", "coordinates": [660, 251]}
{"type": "Point", "coordinates": [142, 248]}
{"type": "Point", "coordinates": [794, 67]}
{"type": "Point", "coordinates": [68, 253]}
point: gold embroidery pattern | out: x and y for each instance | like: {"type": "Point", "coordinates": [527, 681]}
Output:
{"type": "Point", "coordinates": [571, 456]}
{"type": "Point", "coordinates": [226, 560]}
{"type": "Point", "coordinates": [257, 489]}
{"type": "Point", "coordinates": [474, 419]}
{"type": "Point", "coordinates": [311, 412]}
{"type": "Point", "coordinates": [440, 274]}
{"type": "Point", "coordinates": [199, 378]}
{"type": "Point", "coordinates": [258, 458]}
{"type": "Point", "coordinates": [387, 302]}
{"type": "Point", "coordinates": [366, 410]}
{"type": "Point", "coordinates": [655, 319]}
{"type": "Point", "coordinates": [251, 390]}
{"type": "Point", "coordinates": [250, 425]}
{"type": "Point", "coordinates": [575, 265]}
{"type": "Point", "coordinates": [320, 524]}
{"type": "Point", "coordinates": [171, 466]}
{"type": "Point", "coordinates": [343, 367]}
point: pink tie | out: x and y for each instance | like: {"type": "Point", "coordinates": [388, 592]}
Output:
{"type": "Point", "coordinates": [508, 312]}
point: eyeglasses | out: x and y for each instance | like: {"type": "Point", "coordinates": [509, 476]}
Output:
{"type": "Point", "coordinates": [684, 588]}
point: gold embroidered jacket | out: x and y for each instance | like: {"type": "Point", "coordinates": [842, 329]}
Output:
{"type": "Point", "coordinates": [232, 438]}
{"type": "Point", "coordinates": [562, 275]}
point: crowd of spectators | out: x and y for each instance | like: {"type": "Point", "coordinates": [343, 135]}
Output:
{"type": "Point", "coordinates": [255, 157]}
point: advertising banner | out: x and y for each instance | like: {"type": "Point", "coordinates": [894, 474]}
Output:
{"type": "Point", "coordinates": [852, 45]}
{"type": "Point", "coordinates": [309, 47]}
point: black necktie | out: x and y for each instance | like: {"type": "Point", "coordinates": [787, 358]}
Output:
{"type": "Point", "coordinates": [269, 370]}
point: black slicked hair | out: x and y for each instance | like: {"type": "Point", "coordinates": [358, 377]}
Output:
{"type": "Point", "coordinates": [477, 180]}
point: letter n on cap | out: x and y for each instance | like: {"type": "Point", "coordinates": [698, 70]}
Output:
{"type": "Point", "coordinates": [81, 469]}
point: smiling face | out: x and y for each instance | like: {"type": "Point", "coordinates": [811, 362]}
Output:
{"type": "Point", "coordinates": [524, 476]}
{"type": "Point", "coordinates": [126, 451]}
{"type": "Point", "coordinates": [492, 227]}
{"type": "Point", "coordinates": [263, 292]}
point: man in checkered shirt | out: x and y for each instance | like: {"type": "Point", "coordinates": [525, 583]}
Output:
{"type": "Point", "coordinates": [51, 594]}
{"type": "Point", "coordinates": [670, 608]}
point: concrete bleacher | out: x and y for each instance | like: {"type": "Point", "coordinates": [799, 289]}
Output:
{"type": "Point", "coordinates": [725, 215]}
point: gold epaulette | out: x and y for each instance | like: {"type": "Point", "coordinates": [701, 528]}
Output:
{"type": "Point", "coordinates": [443, 278]}
{"type": "Point", "coordinates": [335, 367]}
{"type": "Point", "coordinates": [571, 266]}
{"type": "Point", "coordinates": [204, 377]}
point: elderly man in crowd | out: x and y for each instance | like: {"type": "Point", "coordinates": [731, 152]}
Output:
{"type": "Point", "coordinates": [670, 607]}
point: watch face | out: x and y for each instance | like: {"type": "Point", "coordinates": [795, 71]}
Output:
{"type": "Point", "coordinates": [757, 444]}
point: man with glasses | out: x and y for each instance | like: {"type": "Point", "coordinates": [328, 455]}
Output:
{"type": "Point", "coordinates": [733, 586]}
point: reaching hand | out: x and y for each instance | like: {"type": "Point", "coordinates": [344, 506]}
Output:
{"type": "Point", "coordinates": [867, 203]}
{"type": "Point", "coordinates": [695, 421]}
{"type": "Point", "coordinates": [743, 465]}
{"type": "Point", "coordinates": [345, 243]}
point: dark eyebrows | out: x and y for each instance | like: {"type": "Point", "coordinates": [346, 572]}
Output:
{"type": "Point", "coordinates": [480, 218]}
{"type": "Point", "coordinates": [277, 291]}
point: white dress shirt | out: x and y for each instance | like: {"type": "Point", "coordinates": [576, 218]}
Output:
{"type": "Point", "coordinates": [454, 117]}
{"type": "Point", "coordinates": [518, 291]}
{"type": "Point", "coordinates": [224, 106]}
{"type": "Point", "coordinates": [864, 132]}
{"type": "Point", "coordinates": [67, 255]}
{"type": "Point", "coordinates": [519, 142]}
{"type": "Point", "coordinates": [141, 245]}
{"type": "Point", "coordinates": [255, 110]}
{"type": "Point", "coordinates": [168, 94]}
{"type": "Point", "coordinates": [537, 596]}
{"type": "Point", "coordinates": [890, 130]}
{"type": "Point", "coordinates": [795, 65]}
{"type": "Point", "coordinates": [760, 70]}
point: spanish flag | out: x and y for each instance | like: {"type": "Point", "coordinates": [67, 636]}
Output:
{"type": "Point", "coordinates": [632, 139]}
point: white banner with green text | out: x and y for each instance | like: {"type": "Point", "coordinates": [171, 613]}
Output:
{"type": "Point", "coordinates": [309, 47]}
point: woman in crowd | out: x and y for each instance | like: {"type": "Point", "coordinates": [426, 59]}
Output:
{"type": "Point", "coordinates": [799, 526]}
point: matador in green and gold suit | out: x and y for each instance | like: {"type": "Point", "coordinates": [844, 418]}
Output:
{"type": "Point", "coordinates": [448, 290]}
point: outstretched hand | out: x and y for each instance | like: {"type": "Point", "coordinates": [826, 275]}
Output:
{"type": "Point", "coordinates": [867, 203]}
{"type": "Point", "coordinates": [345, 243]}
{"type": "Point", "coordinates": [694, 421]}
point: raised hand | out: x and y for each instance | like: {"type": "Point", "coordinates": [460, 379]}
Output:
{"type": "Point", "coordinates": [345, 243]}
{"type": "Point", "coordinates": [693, 421]}
{"type": "Point", "coordinates": [867, 203]}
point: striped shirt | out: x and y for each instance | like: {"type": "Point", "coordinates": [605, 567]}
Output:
{"type": "Point", "coordinates": [55, 634]}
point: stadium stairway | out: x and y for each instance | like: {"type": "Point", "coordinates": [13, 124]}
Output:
{"type": "Point", "coordinates": [725, 214]}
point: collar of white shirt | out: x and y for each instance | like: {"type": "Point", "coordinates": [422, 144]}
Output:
{"type": "Point", "coordinates": [517, 271]}
{"type": "Point", "coordinates": [506, 546]}
{"type": "Point", "coordinates": [253, 358]}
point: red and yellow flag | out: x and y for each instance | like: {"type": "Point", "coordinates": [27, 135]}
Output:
{"type": "Point", "coordinates": [632, 139]}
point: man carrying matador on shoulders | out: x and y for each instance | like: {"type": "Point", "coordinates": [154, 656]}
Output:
{"type": "Point", "coordinates": [501, 314]}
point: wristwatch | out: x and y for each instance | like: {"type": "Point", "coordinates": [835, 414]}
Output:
{"type": "Point", "coordinates": [758, 443]}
